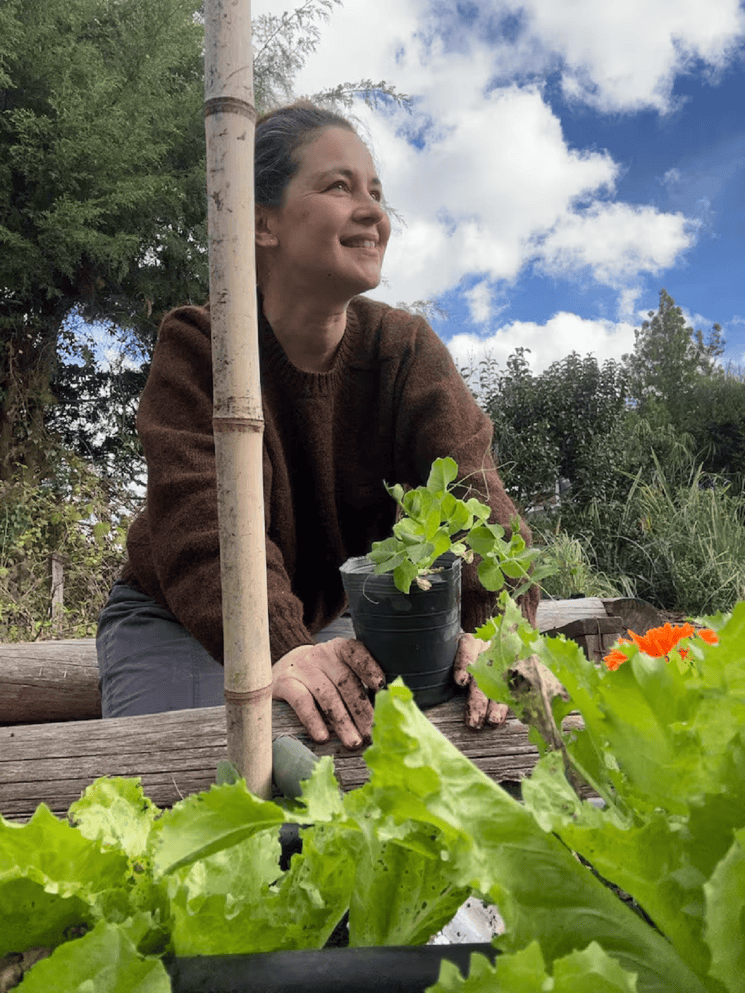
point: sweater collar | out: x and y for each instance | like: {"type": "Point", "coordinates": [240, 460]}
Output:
{"type": "Point", "coordinates": [275, 362]}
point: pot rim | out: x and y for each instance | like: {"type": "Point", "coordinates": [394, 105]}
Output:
{"type": "Point", "coordinates": [361, 565]}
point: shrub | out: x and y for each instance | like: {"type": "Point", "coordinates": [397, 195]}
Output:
{"type": "Point", "coordinates": [75, 516]}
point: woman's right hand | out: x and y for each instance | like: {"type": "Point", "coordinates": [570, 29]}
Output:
{"type": "Point", "coordinates": [328, 681]}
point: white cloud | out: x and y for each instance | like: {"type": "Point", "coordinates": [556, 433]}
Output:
{"type": "Point", "coordinates": [558, 337]}
{"type": "Point", "coordinates": [625, 55]}
{"type": "Point", "coordinates": [481, 171]}
{"type": "Point", "coordinates": [617, 242]}
{"type": "Point", "coordinates": [491, 185]}
{"type": "Point", "coordinates": [480, 300]}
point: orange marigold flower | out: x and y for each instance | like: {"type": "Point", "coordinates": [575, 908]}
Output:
{"type": "Point", "coordinates": [614, 659]}
{"type": "Point", "coordinates": [659, 642]}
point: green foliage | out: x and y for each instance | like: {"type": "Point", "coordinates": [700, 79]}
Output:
{"type": "Point", "coordinates": [434, 522]}
{"type": "Point", "coordinates": [102, 200]}
{"type": "Point", "coordinates": [565, 424]}
{"type": "Point", "coordinates": [676, 540]}
{"type": "Point", "coordinates": [95, 408]}
{"type": "Point", "coordinates": [631, 474]}
{"type": "Point", "coordinates": [573, 572]}
{"type": "Point", "coordinates": [75, 516]}
{"type": "Point", "coordinates": [713, 416]}
{"type": "Point", "coordinates": [203, 877]}
{"type": "Point", "coordinates": [588, 971]}
{"type": "Point", "coordinates": [668, 357]}
{"type": "Point", "coordinates": [693, 544]}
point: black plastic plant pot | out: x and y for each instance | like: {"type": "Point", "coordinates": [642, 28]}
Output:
{"type": "Point", "coordinates": [324, 970]}
{"type": "Point", "coordinates": [413, 635]}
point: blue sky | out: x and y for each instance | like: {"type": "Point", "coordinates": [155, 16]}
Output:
{"type": "Point", "coordinates": [563, 161]}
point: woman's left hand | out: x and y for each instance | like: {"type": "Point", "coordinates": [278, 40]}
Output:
{"type": "Point", "coordinates": [480, 709]}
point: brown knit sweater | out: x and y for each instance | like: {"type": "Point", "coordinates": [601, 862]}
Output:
{"type": "Point", "coordinates": [391, 404]}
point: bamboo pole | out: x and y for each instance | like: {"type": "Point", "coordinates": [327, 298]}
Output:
{"type": "Point", "coordinates": [238, 420]}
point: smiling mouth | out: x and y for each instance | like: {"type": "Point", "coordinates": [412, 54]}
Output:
{"type": "Point", "coordinates": [360, 243]}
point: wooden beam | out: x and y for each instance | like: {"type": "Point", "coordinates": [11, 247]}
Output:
{"type": "Point", "coordinates": [177, 753]}
{"type": "Point", "coordinates": [44, 681]}
{"type": "Point", "coordinates": [49, 681]}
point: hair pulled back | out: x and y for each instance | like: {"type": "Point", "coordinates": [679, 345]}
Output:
{"type": "Point", "coordinates": [280, 135]}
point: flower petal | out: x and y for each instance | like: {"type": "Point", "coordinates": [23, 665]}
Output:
{"type": "Point", "coordinates": [614, 659]}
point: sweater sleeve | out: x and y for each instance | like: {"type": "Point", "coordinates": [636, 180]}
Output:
{"type": "Point", "coordinates": [174, 548]}
{"type": "Point", "coordinates": [286, 627]}
{"type": "Point", "coordinates": [437, 417]}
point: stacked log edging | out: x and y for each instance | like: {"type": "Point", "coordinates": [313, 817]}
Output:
{"type": "Point", "coordinates": [53, 742]}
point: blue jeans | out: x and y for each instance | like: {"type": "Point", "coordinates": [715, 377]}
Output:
{"type": "Point", "coordinates": [149, 663]}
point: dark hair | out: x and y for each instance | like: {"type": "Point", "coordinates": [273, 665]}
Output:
{"type": "Point", "coordinates": [279, 136]}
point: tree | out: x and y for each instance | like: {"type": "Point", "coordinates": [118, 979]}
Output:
{"type": "Point", "coordinates": [102, 196]}
{"type": "Point", "coordinates": [668, 357]}
{"type": "Point", "coordinates": [558, 428]}
{"type": "Point", "coordinates": [103, 201]}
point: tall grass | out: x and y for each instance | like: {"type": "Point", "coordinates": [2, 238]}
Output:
{"type": "Point", "coordinates": [575, 573]}
{"type": "Point", "coordinates": [680, 546]}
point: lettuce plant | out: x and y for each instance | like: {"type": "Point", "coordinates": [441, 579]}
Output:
{"type": "Point", "coordinates": [663, 745]}
{"type": "Point", "coordinates": [122, 883]}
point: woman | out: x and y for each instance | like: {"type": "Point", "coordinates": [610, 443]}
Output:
{"type": "Point", "coordinates": [354, 393]}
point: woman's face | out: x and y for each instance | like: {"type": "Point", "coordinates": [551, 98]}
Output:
{"type": "Point", "coordinates": [328, 238]}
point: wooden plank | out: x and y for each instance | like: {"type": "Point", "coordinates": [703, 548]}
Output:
{"type": "Point", "coordinates": [177, 753]}
{"type": "Point", "coordinates": [555, 614]}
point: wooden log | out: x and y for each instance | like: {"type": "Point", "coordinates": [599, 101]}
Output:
{"type": "Point", "coordinates": [177, 753]}
{"type": "Point", "coordinates": [49, 681]}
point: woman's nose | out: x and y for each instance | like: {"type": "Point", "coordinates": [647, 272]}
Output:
{"type": "Point", "coordinates": [370, 207]}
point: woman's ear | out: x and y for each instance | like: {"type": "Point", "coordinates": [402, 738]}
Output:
{"type": "Point", "coordinates": [264, 228]}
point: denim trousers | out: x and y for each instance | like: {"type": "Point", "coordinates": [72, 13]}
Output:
{"type": "Point", "coordinates": [148, 663]}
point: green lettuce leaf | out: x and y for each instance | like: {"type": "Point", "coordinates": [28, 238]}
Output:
{"type": "Point", "coordinates": [103, 961]}
{"type": "Point", "coordinates": [206, 823]}
{"type": "Point", "coordinates": [238, 900]}
{"type": "Point", "coordinates": [661, 861]}
{"type": "Point", "coordinates": [116, 813]}
{"type": "Point", "coordinates": [400, 896]}
{"type": "Point", "coordinates": [588, 971]}
{"type": "Point", "coordinates": [725, 916]}
{"type": "Point", "coordinates": [496, 845]}
{"type": "Point", "coordinates": [656, 734]}
{"type": "Point", "coordinates": [52, 878]}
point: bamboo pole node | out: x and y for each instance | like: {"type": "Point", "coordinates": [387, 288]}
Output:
{"type": "Point", "coordinates": [241, 696]}
{"type": "Point", "coordinates": [242, 425]}
{"type": "Point", "coordinates": [230, 105]}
